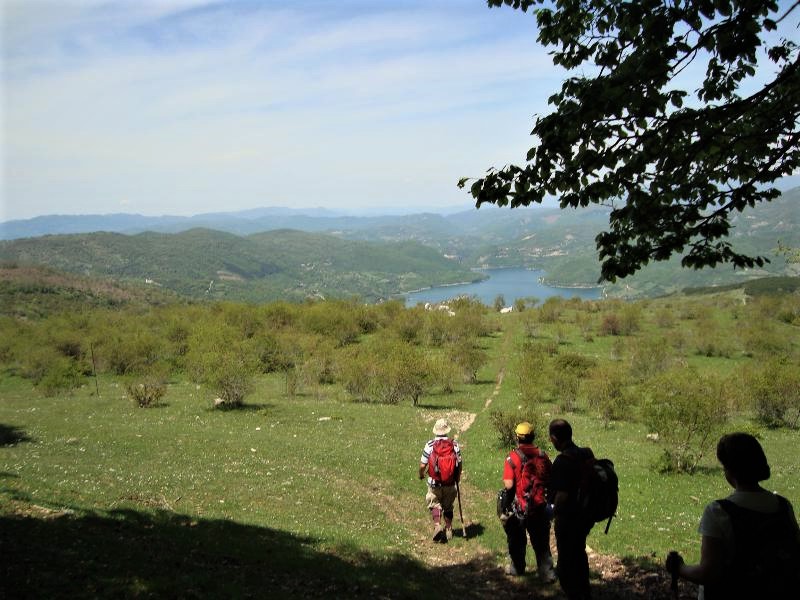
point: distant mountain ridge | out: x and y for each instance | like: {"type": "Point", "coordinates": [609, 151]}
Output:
{"type": "Point", "coordinates": [242, 222]}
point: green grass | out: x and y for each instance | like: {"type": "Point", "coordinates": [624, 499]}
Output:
{"type": "Point", "coordinates": [312, 495]}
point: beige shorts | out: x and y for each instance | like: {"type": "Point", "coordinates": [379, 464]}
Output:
{"type": "Point", "coordinates": [441, 497]}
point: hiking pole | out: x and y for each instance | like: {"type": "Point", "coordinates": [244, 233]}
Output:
{"type": "Point", "coordinates": [460, 512]}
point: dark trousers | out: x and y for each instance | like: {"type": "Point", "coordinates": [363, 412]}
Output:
{"type": "Point", "coordinates": [537, 526]}
{"type": "Point", "coordinates": [573, 564]}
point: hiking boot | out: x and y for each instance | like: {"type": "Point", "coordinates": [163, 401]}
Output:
{"type": "Point", "coordinates": [547, 574]}
{"type": "Point", "coordinates": [439, 534]}
{"type": "Point", "coordinates": [513, 571]}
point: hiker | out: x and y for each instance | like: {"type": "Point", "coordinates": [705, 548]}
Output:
{"type": "Point", "coordinates": [750, 543]}
{"type": "Point", "coordinates": [570, 523]}
{"type": "Point", "coordinates": [526, 474]}
{"type": "Point", "coordinates": [441, 461]}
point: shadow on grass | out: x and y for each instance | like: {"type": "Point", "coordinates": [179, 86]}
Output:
{"type": "Point", "coordinates": [126, 553]}
{"type": "Point", "coordinates": [473, 530]}
{"type": "Point", "coordinates": [646, 577]}
{"type": "Point", "coordinates": [10, 435]}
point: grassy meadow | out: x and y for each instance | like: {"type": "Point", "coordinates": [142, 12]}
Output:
{"type": "Point", "coordinates": [308, 485]}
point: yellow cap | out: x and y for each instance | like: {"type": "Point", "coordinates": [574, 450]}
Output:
{"type": "Point", "coordinates": [524, 428]}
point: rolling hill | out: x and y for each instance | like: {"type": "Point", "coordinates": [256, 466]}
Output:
{"type": "Point", "coordinates": [283, 264]}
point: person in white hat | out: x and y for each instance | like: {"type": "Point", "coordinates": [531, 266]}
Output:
{"type": "Point", "coordinates": [441, 461]}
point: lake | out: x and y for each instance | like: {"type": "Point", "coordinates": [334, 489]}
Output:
{"type": "Point", "coordinates": [511, 283]}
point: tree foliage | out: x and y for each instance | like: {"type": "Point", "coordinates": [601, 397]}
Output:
{"type": "Point", "coordinates": [674, 167]}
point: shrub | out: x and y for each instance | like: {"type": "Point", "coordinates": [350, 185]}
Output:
{"type": "Point", "coordinates": [551, 310]}
{"type": "Point", "coordinates": [468, 359]}
{"type": "Point", "coordinates": [385, 371]}
{"type": "Point", "coordinates": [332, 319]}
{"type": "Point", "coordinates": [231, 376]}
{"type": "Point", "coordinates": [499, 303]}
{"type": "Point", "coordinates": [578, 364]}
{"type": "Point", "coordinates": [687, 410]}
{"type": "Point", "coordinates": [219, 358]}
{"type": "Point", "coordinates": [610, 325]}
{"type": "Point", "coordinates": [607, 391]}
{"type": "Point", "coordinates": [630, 318]}
{"type": "Point", "coordinates": [444, 373]}
{"type": "Point", "coordinates": [564, 386]}
{"type": "Point", "coordinates": [665, 319]}
{"type": "Point", "coordinates": [649, 356]}
{"type": "Point", "coordinates": [504, 423]}
{"type": "Point", "coordinates": [761, 337]}
{"type": "Point", "coordinates": [408, 325]}
{"type": "Point", "coordinates": [133, 352]}
{"type": "Point", "coordinates": [436, 329]}
{"type": "Point", "coordinates": [531, 368]}
{"type": "Point", "coordinates": [60, 374]}
{"type": "Point", "coordinates": [774, 392]}
{"type": "Point", "coordinates": [147, 391]}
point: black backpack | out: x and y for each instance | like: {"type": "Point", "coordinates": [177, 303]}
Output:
{"type": "Point", "coordinates": [598, 491]}
{"type": "Point", "coordinates": [766, 555]}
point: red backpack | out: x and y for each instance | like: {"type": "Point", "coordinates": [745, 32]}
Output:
{"type": "Point", "coordinates": [531, 479]}
{"type": "Point", "coordinates": [443, 464]}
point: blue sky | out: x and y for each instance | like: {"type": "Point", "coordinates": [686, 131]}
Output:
{"type": "Point", "coordinates": [189, 106]}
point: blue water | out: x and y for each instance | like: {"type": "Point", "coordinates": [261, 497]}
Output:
{"type": "Point", "coordinates": [511, 283]}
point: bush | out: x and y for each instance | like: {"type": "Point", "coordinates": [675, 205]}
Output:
{"type": "Point", "coordinates": [531, 369]}
{"type": "Point", "coordinates": [61, 374]}
{"type": "Point", "coordinates": [649, 356]}
{"type": "Point", "coordinates": [687, 410]}
{"type": "Point", "coordinates": [607, 391]}
{"type": "Point", "coordinates": [444, 373]}
{"type": "Point", "coordinates": [774, 392]}
{"type": "Point", "coordinates": [504, 424]}
{"type": "Point", "coordinates": [551, 310]}
{"type": "Point", "coordinates": [467, 358]}
{"type": "Point", "coordinates": [231, 377]}
{"type": "Point", "coordinates": [332, 319]}
{"type": "Point", "coordinates": [132, 352]}
{"type": "Point", "coordinates": [219, 358]}
{"type": "Point", "coordinates": [148, 391]}
{"type": "Point", "coordinates": [578, 364]}
{"type": "Point", "coordinates": [564, 386]}
{"type": "Point", "coordinates": [384, 371]}
{"type": "Point", "coordinates": [610, 325]}
{"type": "Point", "coordinates": [408, 325]}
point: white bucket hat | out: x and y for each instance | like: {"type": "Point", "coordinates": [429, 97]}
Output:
{"type": "Point", "coordinates": [441, 427]}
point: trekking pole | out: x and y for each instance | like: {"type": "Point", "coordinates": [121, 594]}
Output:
{"type": "Point", "coordinates": [460, 512]}
{"type": "Point", "coordinates": [94, 371]}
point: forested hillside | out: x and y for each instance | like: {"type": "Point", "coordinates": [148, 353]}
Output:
{"type": "Point", "coordinates": [201, 263]}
